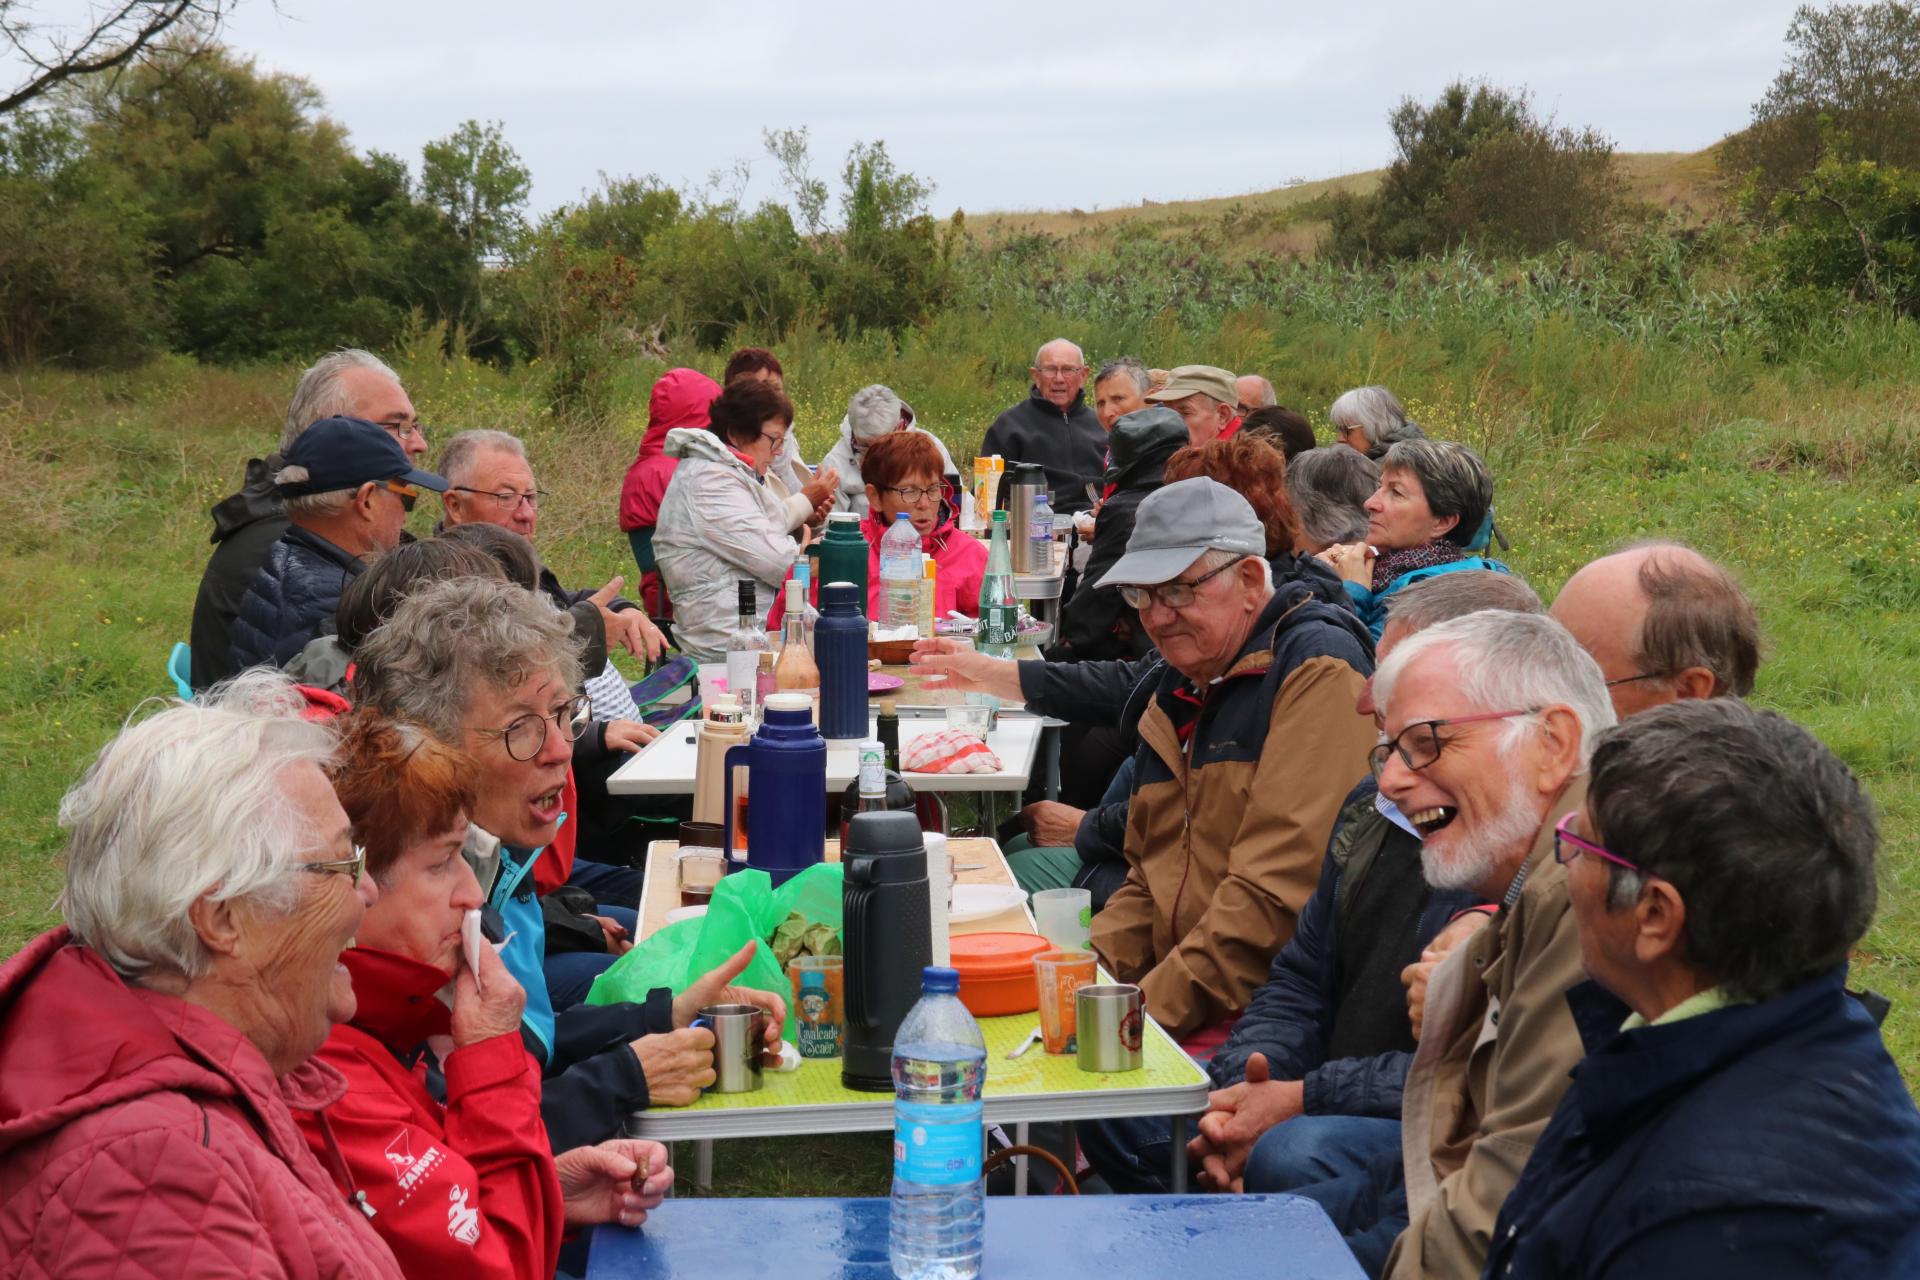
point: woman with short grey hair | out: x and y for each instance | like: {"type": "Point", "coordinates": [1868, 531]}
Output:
{"type": "Point", "coordinates": [1329, 488]}
{"type": "Point", "coordinates": [154, 1045]}
{"type": "Point", "coordinates": [1434, 503]}
{"type": "Point", "coordinates": [1371, 420]}
{"type": "Point", "coordinates": [873, 412]}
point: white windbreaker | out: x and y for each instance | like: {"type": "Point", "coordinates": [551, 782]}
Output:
{"type": "Point", "coordinates": [719, 523]}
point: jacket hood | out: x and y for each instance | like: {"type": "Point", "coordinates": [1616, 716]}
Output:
{"type": "Point", "coordinates": [257, 500]}
{"type": "Point", "coordinates": [75, 1038]}
{"type": "Point", "coordinates": [680, 398]}
{"type": "Point", "coordinates": [1140, 444]}
{"type": "Point", "coordinates": [688, 443]}
{"type": "Point", "coordinates": [395, 998]}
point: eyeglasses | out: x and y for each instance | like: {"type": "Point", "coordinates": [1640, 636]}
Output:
{"type": "Point", "coordinates": [915, 493]}
{"type": "Point", "coordinates": [1059, 370]}
{"type": "Point", "coordinates": [775, 440]}
{"type": "Point", "coordinates": [1568, 846]}
{"type": "Point", "coordinates": [1172, 595]}
{"type": "Point", "coordinates": [1644, 675]}
{"type": "Point", "coordinates": [400, 431]}
{"type": "Point", "coordinates": [526, 735]}
{"type": "Point", "coordinates": [1419, 745]}
{"type": "Point", "coordinates": [505, 499]}
{"type": "Point", "coordinates": [350, 867]}
{"type": "Point", "coordinates": [407, 493]}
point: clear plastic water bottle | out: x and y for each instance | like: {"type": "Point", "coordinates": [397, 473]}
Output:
{"type": "Point", "coordinates": [939, 1209]}
{"type": "Point", "coordinates": [1040, 533]}
{"type": "Point", "coordinates": [900, 574]}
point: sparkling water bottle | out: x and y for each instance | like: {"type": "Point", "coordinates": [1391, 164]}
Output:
{"type": "Point", "coordinates": [939, 1201]}
{"type": "Point", "coordinates": [900, 574]}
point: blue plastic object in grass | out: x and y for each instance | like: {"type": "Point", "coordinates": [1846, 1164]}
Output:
{"type": "Point", "coordinates": [180, 667]}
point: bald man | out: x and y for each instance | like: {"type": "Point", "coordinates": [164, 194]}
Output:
{"type": "Point", "coordinates": [1664, 623]}
{"type": "Point", "coordinates": [1255, 392]}
{"type": "Point", "coordinates": [1054, 427]}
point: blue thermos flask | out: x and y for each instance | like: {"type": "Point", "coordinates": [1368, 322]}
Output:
{"type": "Point", "coordinates": [786, 799]}
{"type": "Point", "coordinates": [840, 651]}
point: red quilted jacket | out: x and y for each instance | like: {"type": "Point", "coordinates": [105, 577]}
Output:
{"type": "Point", "coordinates": [144, 1136]}
{"type": "Point", "coordinates": [467, 1189]}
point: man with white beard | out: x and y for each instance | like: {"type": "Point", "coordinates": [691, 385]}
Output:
{"type": "Point", "coordinates": [1488, 723]}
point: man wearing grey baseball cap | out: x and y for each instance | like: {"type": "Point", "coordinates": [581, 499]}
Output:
{"type": "Point", "coordinates": [1248, 747]}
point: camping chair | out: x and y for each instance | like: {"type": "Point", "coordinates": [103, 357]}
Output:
{"type": "Point", "coordinates": [180, 667]}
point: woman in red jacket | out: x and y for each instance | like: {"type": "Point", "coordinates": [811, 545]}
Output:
{"type": "Point", "coordinates": [441, 1123]}
{"type": "Point", "coordinates": [903, 472]}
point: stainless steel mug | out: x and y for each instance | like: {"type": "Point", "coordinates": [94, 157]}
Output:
{"type": "Point", "coordinates": [739, 1032]}
{"type": "Point", "coordinates": [1108, 1024]}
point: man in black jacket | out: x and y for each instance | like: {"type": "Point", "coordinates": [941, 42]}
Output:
{"type": "Point", "coordinates": [348, 383]}
{"type": "Point", "coordinates": [1053, 427]}
{"type": "Point", "coordinates": [347, 488]}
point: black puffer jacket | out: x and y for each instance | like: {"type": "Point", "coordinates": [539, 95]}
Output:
{"type": "Point", "coordinates": [1096, 623]}
{"type": "Point", "coordinates": [245, 524]}
{"type": "Point", "coordinates": [1069, 443]}
{"type": "Point", "coordinates": [292, 599]}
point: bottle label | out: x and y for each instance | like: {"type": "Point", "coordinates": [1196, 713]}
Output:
{"type": "Point", "coordinates": [936, 1144]}
{"type": "Point", "coordinates": [999, 624]}
{"type": "Point", "coordinates": [873, 772]}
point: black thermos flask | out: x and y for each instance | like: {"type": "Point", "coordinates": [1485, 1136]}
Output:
{"type": "Point", "coordinates": [887, 940]}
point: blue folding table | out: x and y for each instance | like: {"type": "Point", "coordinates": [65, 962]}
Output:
{"type": "Point", "coordinates": [1028, 1238]}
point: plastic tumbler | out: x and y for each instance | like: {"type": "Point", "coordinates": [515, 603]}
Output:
{"type": "Point", "coordinates": [818, 984]}
{"type": "Point", "coordinates": [1065, 916]}
{"type": "Point", "coordinates": [1058, 975]}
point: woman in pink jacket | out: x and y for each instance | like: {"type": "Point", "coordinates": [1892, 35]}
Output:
{"type": "Point", "coordinates": [903, 472]}
{"type": "Point", "coordinates": [150, 1049]}
{"type": "Point", "coordinates": [679, 399]}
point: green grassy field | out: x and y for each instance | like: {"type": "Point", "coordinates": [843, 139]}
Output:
{"type": "Point", "coordinates": [1800, 475]}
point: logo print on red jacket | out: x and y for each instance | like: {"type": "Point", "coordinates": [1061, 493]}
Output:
{"type": "Point", "coordinates": [463, 1224]}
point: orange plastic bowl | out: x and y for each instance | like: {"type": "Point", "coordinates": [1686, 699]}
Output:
{"type": "Point", "coordinates": [996, 971]}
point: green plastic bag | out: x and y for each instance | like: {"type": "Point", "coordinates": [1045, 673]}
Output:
{"type": "Point", "coordinates": [745, 906]}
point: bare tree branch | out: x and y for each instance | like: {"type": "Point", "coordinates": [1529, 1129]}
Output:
{"type": "Point", "coordinates": [117, 35]}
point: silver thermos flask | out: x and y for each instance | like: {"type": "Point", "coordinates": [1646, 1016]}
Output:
{"type": "Point", "coordinates": [1023, 482]}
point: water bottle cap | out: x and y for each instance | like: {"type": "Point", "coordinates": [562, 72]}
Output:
{"type": "Point", "coordinates": [937, 979]}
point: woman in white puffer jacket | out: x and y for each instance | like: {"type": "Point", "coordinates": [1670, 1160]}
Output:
{"type": "Point", "coordinates": [720, 522]}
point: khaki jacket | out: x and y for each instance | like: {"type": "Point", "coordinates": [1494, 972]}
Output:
{"type": "Point", "coordinates": [1226, 832]}
{"type": "Point", "coordinates": [1497, 1043]}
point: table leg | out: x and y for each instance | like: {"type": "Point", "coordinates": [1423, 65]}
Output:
{"type": "Point", "coordinates": [1050, 745]}
{"type": "Point", "coordinates": [1020, 1162]}
{"type": "Point", "coordinates": [990, 811]}
{"type": "Point", "coordinates": [1177, 1157]}
{"type": "Point", "coordinates": [673, 1190]}
{"type": "Point", "coordinates": [703, 1164]}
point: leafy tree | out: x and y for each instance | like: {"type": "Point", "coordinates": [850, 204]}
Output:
{"type": "Point", "coordinates": [75, 285]}
{"type": "Point", "coordinates": [1851, 227]}
{"type": "Point", "coordinates": [1477, 168]}
{"type": "Point", "coordinates": [1851, 83]}
{"type": "Point", "coordinates": [477, 180]}
{"type": "Point", "coordinates": [788, 147]}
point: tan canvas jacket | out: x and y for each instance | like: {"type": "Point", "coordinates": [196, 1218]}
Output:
{"type": "Point", "coordinates": [1223, 854]}
{"type": "Point", "coordinates": [1497, 1043]}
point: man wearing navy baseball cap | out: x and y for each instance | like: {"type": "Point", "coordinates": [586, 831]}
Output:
{"type": "Point", "coordinates": [348, 487]}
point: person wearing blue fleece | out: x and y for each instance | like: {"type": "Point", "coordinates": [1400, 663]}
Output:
{"type": "Point", "coordinates": [1432, 514]}
{"type": "Point", "coordinates": [1746, 1119]}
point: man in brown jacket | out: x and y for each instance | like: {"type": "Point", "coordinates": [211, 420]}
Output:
{"type": "Point", "coordinates": [1489, 721]}
{"type": "Point", "coordinates": [1248, 747]}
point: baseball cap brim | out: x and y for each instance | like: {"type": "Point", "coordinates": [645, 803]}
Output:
{"type": "Point", "coordinates": [1152, 567]}
{"type": "Point", "coordinates": [425, 479]}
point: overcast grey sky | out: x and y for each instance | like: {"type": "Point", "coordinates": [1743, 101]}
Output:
{"type": "Point", "coordinates": [1002, 105]}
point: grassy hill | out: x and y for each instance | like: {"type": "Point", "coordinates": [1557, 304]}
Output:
{"type": "Point", "coordinates": [1686, 184]}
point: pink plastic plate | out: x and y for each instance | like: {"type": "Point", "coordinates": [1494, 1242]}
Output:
{"type": "Point", "coordinates": [881, 682]}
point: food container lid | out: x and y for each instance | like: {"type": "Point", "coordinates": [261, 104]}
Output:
{"type": "Point", "coordinates": [995, 955]}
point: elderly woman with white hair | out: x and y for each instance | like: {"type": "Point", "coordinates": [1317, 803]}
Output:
{"type": "Point", "coordinates": [152, 1046]}
{"type": "Point", "coordinates": [1372, 420]}
{"type": "Point", "coordinates": [873, 412]}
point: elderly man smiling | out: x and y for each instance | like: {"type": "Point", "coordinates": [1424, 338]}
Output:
{"type": "Point", "coordinates": [1488, 723]}
{"type": "Point", "coordinates": [1054, 427]}
{"type": "Point", "coordinates": [1248, 745]}
{"type": "Point", "coordinates": [1746, 1120]}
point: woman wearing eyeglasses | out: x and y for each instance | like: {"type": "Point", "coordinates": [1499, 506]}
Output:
{"type": "Point", "coordinates": [720, 521]}
{"type": "Point", "coordinates": [152, 1047]}
{"type": "Point", "coordinates": [441, 1123]}
{"type": "Point", "coordinates": [903, 477]}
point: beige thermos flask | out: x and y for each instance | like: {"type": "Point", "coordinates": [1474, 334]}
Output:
{"type": "Point", "coordinates": [723, 726]}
